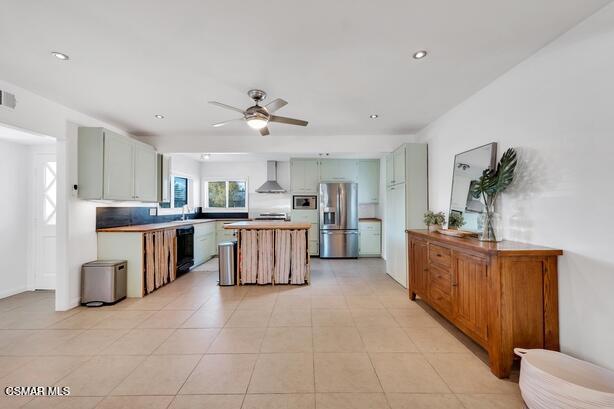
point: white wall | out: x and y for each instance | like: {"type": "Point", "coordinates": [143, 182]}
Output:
{"type": "Point", "coordinates": [76, 233]}
{"type": "Point", "coordinates": [256, 174]}
{"type": "Point", "coordinates": [556, 109]}
{"type": "Point", "coordinates": [15, 171]}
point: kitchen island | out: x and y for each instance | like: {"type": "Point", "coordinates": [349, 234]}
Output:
{"type": "Point", "coordinates": [272, 252]}
{"type": "Point", "coordinates": [151, 249]}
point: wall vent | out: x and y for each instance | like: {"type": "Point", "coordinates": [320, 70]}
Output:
{"type": "Point", "coordinates": [7, 99]}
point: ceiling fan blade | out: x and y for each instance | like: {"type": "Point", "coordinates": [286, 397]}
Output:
{"type": "Point", "coordinates": [264, 131]}
{"type": "Point", "coordinates": [275, 105]}
{"type": "Point", "coordinates": [289, 121]}
{"type": "Point", "coordinates": [219, 104]}
{"type": "Point", "coordinates": [218, 124]}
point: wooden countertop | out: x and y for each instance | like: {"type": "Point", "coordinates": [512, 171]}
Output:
{"type": "Point", "coordinates": [267, 225]}
{"type": "Point", "coordinates": [144, 228]}
{"type": "Point", "coordinates": [503, 248]}
{"type": "Point", "coordinates": [370, 219]}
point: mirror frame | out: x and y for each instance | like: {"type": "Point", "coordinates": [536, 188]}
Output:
{"type": "Point", "coordinates": [493, 163]}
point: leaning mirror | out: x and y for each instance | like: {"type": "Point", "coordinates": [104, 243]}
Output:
{"type": "Point", "coordinates": [468, 167]}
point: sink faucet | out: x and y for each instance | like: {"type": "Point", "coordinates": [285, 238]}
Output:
{"type": "Point", "coordinates": [183, 212]}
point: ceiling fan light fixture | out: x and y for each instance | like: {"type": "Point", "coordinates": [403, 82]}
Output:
{"type": "Point", "coordinates": [257, 123]}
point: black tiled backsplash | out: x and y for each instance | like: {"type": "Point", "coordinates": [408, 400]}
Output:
{"type": "Point", "coordinates": [129, 216]}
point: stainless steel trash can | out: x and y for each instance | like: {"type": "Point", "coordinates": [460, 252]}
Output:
{"type": "Point", "coordinates": [103, 282]}
{"type": "Point", "coordinates": [227, 251]}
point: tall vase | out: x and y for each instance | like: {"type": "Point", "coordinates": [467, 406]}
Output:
{"type": "Point", "coordinates": [491, 226]}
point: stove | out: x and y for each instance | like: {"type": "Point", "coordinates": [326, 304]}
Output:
{"type": "Point", "coordinates": [272, 216]}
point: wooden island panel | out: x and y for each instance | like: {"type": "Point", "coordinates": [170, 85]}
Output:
{"type": "Point", "coordinates": [247, 229]}
{"type": "Point", "coordinates": [502, 295]}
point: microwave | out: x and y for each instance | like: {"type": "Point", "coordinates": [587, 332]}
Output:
{"type": "Point", "coordinates": [304, 202]}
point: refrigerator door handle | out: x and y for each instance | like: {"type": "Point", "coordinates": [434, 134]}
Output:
{"type": "Point", "coordinates": [340, 218]}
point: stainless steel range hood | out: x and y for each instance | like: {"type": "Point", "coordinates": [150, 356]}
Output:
{"type": "Point", "coordinates": [271, 185]}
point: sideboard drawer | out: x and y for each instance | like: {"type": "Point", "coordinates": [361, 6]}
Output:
{"type": "Point", "coordinates": [440, 255]}
{"type": "Point", "coordinates": [440, 300]}
{"type": "Point", "coordinates": [440, 278]}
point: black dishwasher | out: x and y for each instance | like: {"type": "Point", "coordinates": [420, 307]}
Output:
{"type": "Point", "coordinates": [185, 249]}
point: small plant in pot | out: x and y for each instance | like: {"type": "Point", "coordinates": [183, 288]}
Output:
{"type": "Point", "coordinates": [434, 220]}
{"type": "Point", "coordinates": [455, 220]}
{"type": "Point", "coordinates": [491, 183]}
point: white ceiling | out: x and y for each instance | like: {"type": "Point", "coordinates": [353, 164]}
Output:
{"type": "Point", "coordinates": [335, 62]}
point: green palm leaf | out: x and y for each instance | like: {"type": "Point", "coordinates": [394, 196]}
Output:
{"type": "Point", "coordinates": [493, 181]}
{"type": "Point", "coordinates": [484, 184]}
{"type": "Point", "coordinates": [505, 170]}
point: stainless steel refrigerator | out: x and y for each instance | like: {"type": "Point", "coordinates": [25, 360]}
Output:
{"type": "Point", "coordinates": [338, 220]}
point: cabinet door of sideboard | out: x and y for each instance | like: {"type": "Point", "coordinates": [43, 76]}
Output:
{"type": "Point", "coordinates": [418, 278]}
{"type": "Point", "coordinates": [470, 293]}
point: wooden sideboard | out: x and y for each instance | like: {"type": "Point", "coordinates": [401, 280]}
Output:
{"type": "Point", "coordinates": [502, 295]}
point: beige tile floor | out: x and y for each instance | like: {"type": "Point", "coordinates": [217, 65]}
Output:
{"type": "Point", "coordinates": [351, 339]}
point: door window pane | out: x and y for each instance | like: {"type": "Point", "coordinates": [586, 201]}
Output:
{"type": "Point", "coordinates": [181, 191]}
{"type": "Point", "coordinates": [49, 205]}
{"type": "Point", "coordinates": [236, 194]}
{"type": "Point", "coordinates": [216, 192]}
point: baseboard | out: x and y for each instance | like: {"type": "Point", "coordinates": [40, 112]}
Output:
{"type": "Point", "coordinates": [75, 302]}
{"type": "Point", "coordinates": [12, 291]}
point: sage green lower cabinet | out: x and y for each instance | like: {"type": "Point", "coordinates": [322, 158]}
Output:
{"type": "Point", "coordinates": [370, 243]}
{"type": "Point", "coordinates": [222, 234]}
{"type": "Point", "coordinates": [129, 247]}
{"type": "Point", "coordinates": [311, 217]}
{"type": "Point", "coordinates": [204, 242]}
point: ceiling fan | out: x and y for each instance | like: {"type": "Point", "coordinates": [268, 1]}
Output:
{"type": "Point", "coordinates": [258, 117]}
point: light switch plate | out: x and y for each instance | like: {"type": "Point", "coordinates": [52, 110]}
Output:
{"type": "Point", "coordinates": [153, 211]}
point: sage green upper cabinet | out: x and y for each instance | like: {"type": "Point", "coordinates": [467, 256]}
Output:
{"type": "Point", "coordinates": [399, 165]}
{"type": "Point", "coordinates": [115, 167]}
{"type": "Point", "coordinates": [368, 181]}
{"type": "Point", "coordinates": [304, 176]}
{"type": "Point", "coordinates": [339, 170]}
{"type": "Point", "coordinates": [389, 169]}
{"type": "Point", "coordinates": [118, 167]}
{"type": "Point", "coordinates": [395, 167]}
{"type": "Point", "coordinates": [145, 173]}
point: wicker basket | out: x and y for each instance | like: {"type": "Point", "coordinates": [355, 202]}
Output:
{"type": "Point", "coordinates": [550, 380]}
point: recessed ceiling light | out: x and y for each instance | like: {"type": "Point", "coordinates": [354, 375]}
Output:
{"type": "Point", "coordinates": [374, 116]}
{"type": "Point", "coordinates": [205, 156]}
{"type": "Point", "coordinates": [60, 56]}
{"type": "Point", "coordinates": [159, 116]}
{"type": "Point", "coordinates": [418, 55]}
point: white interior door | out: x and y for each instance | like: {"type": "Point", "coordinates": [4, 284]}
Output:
{"type": "Point", "coordinates": [45, 187]}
